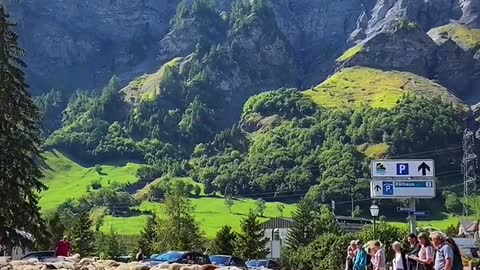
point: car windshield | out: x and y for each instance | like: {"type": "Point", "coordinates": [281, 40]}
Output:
{"type": "Point", "coordinates": [168, 257]}
{"type": "Point", "coordinates": [257, 263]}
{"type": "Point", "coordinates": [220, 260]}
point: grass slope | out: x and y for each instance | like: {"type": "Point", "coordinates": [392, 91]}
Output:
{"type": "Point", "coordinates": [69, 180]}
{"type": "Point", "coordinates": [361, 85]}
{"type": "Point", "coordinates": [465, 37]}
{"type": "Point", "coordinates": [211, 213]}
{"type": "Point", "coordinates": [145, 87]}
{"type": "Point", "coordinates": [350, 53]}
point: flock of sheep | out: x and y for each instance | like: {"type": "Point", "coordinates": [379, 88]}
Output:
{"type": "Point", "coordinates": [75, 263]}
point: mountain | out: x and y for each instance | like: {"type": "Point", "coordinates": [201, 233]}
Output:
{"type": "Point", "coordinates": [74, 45]}
{"type": "Point", "coordinates": [254, 96]}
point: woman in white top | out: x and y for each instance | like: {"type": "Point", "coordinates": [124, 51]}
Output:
{"type": "Point", "coordinates": [426, 253]}
{"type": "Point", "coordinates": [399, 261]}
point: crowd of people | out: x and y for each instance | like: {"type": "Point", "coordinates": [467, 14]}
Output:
{"type": "Point", "coordinates": [425, 252]}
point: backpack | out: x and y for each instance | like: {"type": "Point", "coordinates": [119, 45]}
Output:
{"type": "Point", "coordinates": [457, 260]}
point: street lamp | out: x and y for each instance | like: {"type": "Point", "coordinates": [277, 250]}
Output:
{"type": "Point", "coordinates": [374, 212]}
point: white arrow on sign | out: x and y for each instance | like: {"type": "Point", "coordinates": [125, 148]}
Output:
{"type": "Point", "coordinates": [403, 168]}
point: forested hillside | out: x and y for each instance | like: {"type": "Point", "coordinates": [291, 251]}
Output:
{"type": "Point", "coordinates": [223, 92]}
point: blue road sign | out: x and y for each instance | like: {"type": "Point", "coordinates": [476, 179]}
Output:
{"type": "Point", "coordinates": [402, 169]}
{"type": "Point", "coordinates": [419, 213]}
{"type": "Point", "coordinates": [403, 209]}
{"type": "Point", "coordinates": [414, 184]}
{"type": "Point", "coordinates": [387, 188]}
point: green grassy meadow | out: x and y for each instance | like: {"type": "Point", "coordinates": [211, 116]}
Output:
{"type": "Point", "coordinates": [381, 89]}
{"type": "Point", "coordinates": [67, 179]}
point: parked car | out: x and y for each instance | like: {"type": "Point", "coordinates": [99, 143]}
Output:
{"type": "Point", "coordinates": [179, 257]}
{"type": "Point", "coordinates": [265, 263]}
{"type": "Point", "coordinates": [227, 260]}
{"type": "Point", "coordinates": [39, 256]}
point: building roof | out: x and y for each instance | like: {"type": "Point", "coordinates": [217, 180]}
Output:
{"type": "Point", "coordinates": [277, 223]}
{"type": "Point", "coordinates": [354, 219]}
{"type": "Point", "coordinates": [469, 226]}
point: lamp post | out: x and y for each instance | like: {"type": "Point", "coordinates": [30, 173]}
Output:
{"type": "Point", "coordinates": [374, 212]}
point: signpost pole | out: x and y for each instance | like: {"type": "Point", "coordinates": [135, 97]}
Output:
{"type": "Point", "coordinates": [413, 218]}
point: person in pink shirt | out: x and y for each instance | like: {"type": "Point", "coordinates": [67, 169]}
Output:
{"type": "Point", "coordinates": [378, 259]}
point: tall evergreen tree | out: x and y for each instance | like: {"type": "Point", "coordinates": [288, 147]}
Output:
{"type": "Point", "coordinates": [82, 235]}
{"type": "Point", "coordinates": [148, 235]}
{"type": "Point", "coordinates": [223, 242]}
{"type": "Point", "coordinates": [302, 231]}
{"type": "Point", "coordinates": [19, 137]}
{"type": "Point", "coordinates": [251, 243]}
{"type": "Point", "coordinates": [179, 230]}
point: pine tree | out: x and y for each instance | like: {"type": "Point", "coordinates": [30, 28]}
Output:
{"type": "Point", "coordinates": [148, 235]}
{"type": "Point", "coordinates": [261, 206]}
{"type": "Point", "coordinates": [110, 245]}
{"type": "Point", "coordinates": [251, 243]}
{"type": "Point", "coordinates": [223, 242]}
{"type": "Point", "coordinates": [302, 231]}
{"type": "Point", "coordinates": [82, 235]}
{"type": "Point", "coordinates": [179, 230]}
{"type": "Point", "coordinates": [20, 173]}
{"type": "Point", "coordinates": [325, 223]}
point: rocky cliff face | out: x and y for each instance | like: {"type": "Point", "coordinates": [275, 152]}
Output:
{"type": "Point", "coordinates": [73, 44]}
{"type": "Point", "coordinates": [80, 44]}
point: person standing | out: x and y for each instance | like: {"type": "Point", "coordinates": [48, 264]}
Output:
{"type": "Point", "coordinates": [444, 255]}
{"type": "Point", "coordinates": [425, 255]}
{"type": "Point", "coordinates": [140, 256]}
{"type": "Point", "coordinates": [379, 260]}
{"type": "Point", "coordinates": [360, 262]}
{"type": "Point", "coordinates": [399, 261]}
{"type": "Point", "coordinates": [414, 248]}
{"type": "Point", "coordinates": [350, 255]}
{"type": "Point", "coordinates": [63, 248]}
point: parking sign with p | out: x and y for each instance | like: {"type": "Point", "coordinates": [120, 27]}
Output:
{"type": "Point", "coordinates": [402, 168]}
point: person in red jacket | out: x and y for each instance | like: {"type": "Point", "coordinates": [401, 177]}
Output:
{"type": "Point", "coordinates": [63, 248]}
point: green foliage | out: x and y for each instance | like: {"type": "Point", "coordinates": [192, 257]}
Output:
{"type": "Point", "coordinates": [302, 231]}
{"type": "Point", "coordinates": [148, 235]}
{"type": "Point", "coordinates": [321, 254]}
{"type": "Point", "coordinates": [19, 138]}
{"type": "Point", "coordinates": [324, 222]}
{"type": "Point", "coordinates": [97, 216]}
{"type": "Point", "coordinates": [224, 241]}
{"type": "Point", "coordinates": [474, 205]}
{"type": "Point", "coordinates": [229, 203]}
{"type": "Point", "coordinates": [386, 233]}
{"type": "Point", "coordinates": [357, 212]}
{"type": "Point", "coordinates": [260, 209]}
{"type": "Point", "coordinates": [350, 53]}
{"type": "Point", "coordinates": [281, 209]}
{"type": "Point", "coordinates": [55, 230]}
{"type": "Point", "coordinates": [251, 242]}
{"type": "Point", "coordinates": [178, 230]}
{"type": "Point", "coordinates": [81, 234]}
{"type": "Point", "coordinates": [197, 190]}
{"type": "Point", "coordinates": [404, 24]}
{"type": "Point", "coordinates": [286, 102]}
{"type": "Point", "coordinates": [452, 202]}
{"type": "Point", "coordinates": [110, 245]}
{"type": "Point", "coordinates": [51, 104]}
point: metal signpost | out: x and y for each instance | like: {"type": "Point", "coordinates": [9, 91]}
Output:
{"type": "Point", "coordinates": [404, 179]}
